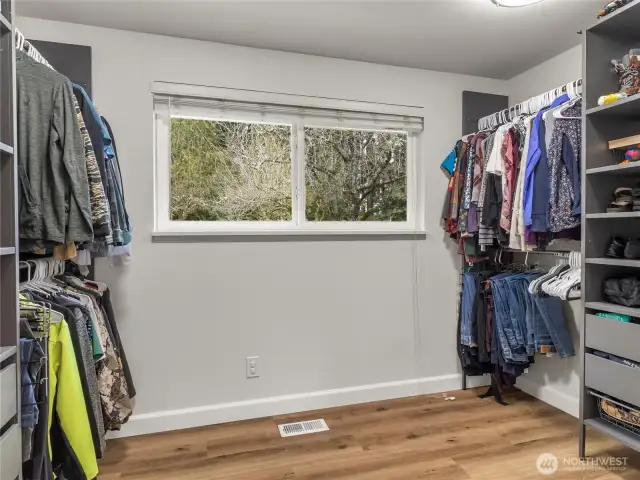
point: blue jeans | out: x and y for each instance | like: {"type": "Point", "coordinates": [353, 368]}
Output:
{"type": "Point", "coordinates": [468, 310]}
{"type": "Point", "coordinates": [531, 314]}
{"type": "Point", "coordinates": [517, 307]}
{"type": "Point", "coordinates": [508, 320]}
{"type": "Point", "coordinates": [30, 355]}
{"type": "Point", "coordinates": [553, 325]}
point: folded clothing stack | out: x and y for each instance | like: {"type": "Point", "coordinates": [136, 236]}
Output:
{"type": "Point", "coordinates": [622, 291]}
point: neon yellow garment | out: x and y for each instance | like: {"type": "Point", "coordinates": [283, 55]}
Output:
{"type": "Point", "coordinates": [64, 383]}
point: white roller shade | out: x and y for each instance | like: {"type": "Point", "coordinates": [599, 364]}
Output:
{"type": "Point", "coordinates": [247, 105]}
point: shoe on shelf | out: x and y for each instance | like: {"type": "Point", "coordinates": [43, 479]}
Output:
{"type": "Point", "coordinates": [625, 194]}
{"type": "Point", "coordinates": [618, 206]}
{"type": "Point", "coordinates": [632, 249]}
{"type": "Point", "coordinates": [616, 248]}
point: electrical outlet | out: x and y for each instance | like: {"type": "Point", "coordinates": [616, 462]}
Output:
{"type": "Point", "coordinates": [252, 367]}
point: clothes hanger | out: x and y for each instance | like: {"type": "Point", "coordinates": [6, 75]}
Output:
{"type": "Point", "coordinates": [28, 265]}
{"type": "Point", "coordinates": [32, 283]}
{"type": "Point", "coordinates": [549, 287]}
{"type": "Point", "coordinates": [535, 288]}
{"type": "Point", "coordinates": [567, 280]}
{"type": "Point", "coordinates": [562, 288]}
{"type": "Point", "coordinates": [570, 90]}
{"type": "Point", "coordinates": [466, 138]}
{"type": "Point", "coordinates": [45, 270]}
{"type": "Point", "coordinates": [52, 267]}
{"type": "Point", "coordinates": [558, 113]}
{"type": "Point", "coordinates": [19, 40]}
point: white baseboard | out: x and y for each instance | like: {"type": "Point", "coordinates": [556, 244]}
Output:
{"type": "Point", "coordinates": [550, 395]}
{"type": "Point", "coordinates": [265, 407]}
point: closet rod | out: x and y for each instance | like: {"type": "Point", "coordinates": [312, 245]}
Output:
{"type": "Point", "coordinates": [561, 254]}
{"type": "Point", "coordinates": [530, 106]}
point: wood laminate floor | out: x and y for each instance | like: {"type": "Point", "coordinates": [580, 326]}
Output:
{"type": "Point", "coordinates": [418, 437]}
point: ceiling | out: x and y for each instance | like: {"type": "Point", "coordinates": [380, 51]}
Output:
{"type": "Point", "coordinates": [471, 37]}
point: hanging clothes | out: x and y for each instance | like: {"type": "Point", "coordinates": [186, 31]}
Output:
{"type": "Point", "coordinates": [89, 378]}
{"type": "Point", "coordinates": [565, 183]}
{"type": "Point", "coordinates": [113, 384]}
{"type": "Point", "coordinates": [456, 187]}
{"type": "Point", "coordinates": [54, 190]}
{"type": "Point", "coordinates": [100, 214]}
{"type": "Point", "coordinates": [71, 189]}
{"type": "Point", "coordinates": [511, 160]}
{"type": "Point", "coordinates": [67, 399]}
{"type": "Point", "coordinates": [486, 234]}
{"type": "Point", "coordinates": [518, 186]}
{"type": "Point", "coordinates": [77, 323]}
{"type": "Point", "coordinates": [502, 325]}
{"type": "Point", "coordinates": [123, 215]}
{"type": "Point", "coordinates": [536, 186]}
{"type": "Point", "coordinates": [516, 241]}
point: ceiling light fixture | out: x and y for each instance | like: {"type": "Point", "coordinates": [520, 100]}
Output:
{"type": "Point", "coordinates": [515, 3]}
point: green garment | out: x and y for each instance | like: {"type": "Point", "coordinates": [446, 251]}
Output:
{"type": "Point", "coordinates": [65, 392]}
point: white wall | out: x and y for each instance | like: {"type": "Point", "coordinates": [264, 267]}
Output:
{"type": "Point", "coordinates": [554, 380]}
{"type": "Point", "coordinates": [551, 74]}
{"type": "Point", "coordinates": [333, 322]}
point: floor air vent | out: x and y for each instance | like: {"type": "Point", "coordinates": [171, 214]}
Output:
{"type": "Point", "coordinates": [303, 428]}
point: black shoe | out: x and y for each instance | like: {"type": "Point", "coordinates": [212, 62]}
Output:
{"type": "Point", "coordinates": [616, 247]}
{"type": "Point", "coordinates": [632, 250]}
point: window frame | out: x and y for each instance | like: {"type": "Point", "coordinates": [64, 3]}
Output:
{"type": "Point", "coordinates": [298, 223]}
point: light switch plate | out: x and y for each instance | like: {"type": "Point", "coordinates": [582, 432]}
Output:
{"type": "Point", "coordinates": [252, 367]}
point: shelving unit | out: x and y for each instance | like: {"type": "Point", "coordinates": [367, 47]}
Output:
{"type": "Point", "coordinates": [626, 169]}
{"type": "Point", "coordinates": [612, 216]}
{"type": "Point", "coordinates": [626, 107]}
{"type": "Point", "coordinates": [612, 308]}
{"type": "Point", "coordinates": [10, 431]}
{"type": "Point", "coordinates": [619, 123]}
{"type": "Point", "coordinates": [619, 262]}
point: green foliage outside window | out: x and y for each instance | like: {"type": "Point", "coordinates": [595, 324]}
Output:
{"type": "Point", "coordinates": [233, 171]}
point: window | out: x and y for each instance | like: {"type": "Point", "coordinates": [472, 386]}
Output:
{"type": "Point", "coordinates": [230, 171]}
{"type": "Point", "coordinates": [355, 175]}
{"type": "Point", "coordinates": [228, 165]}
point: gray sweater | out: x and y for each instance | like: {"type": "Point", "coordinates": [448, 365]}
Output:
{"type": "Point", "coordinates": [52, 170]}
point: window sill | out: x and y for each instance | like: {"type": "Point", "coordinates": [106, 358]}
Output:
{"type": "Point", "coordinates": [288, 236]}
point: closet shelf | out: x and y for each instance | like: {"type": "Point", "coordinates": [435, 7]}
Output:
{"type": "Point", "coordinates": [620, 434]}
{"type": "Point", "coordinates": [613, 215]}
{"type": "Point", "coordinates": [622, 21]}
{"type": "Point", "coordinates": [7, 251]}
{"type": "Point", "coordinates": [624, 169]}
{"type": "Point", "coordinates": [627, 107]}
{"type": "Point", "coordinates": [6, 148]}
{"type": "Point", "coordinates": [7, 352]}
{"type": "Point", "coordinates": [618, 262]}
{"type": "Point", "coordinates": [613, 308]}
